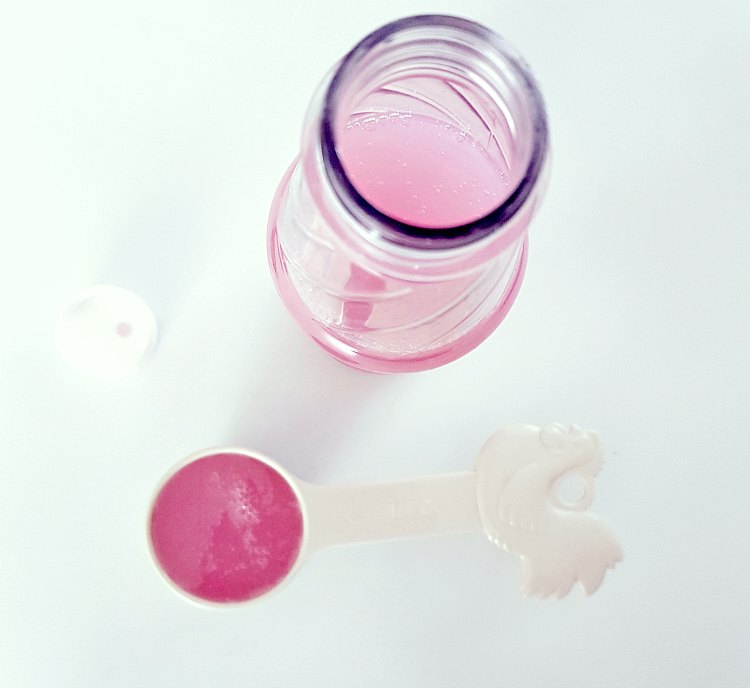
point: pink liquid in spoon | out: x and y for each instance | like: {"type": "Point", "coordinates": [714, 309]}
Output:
{"type": "Point", "coordinates": [226, 528]}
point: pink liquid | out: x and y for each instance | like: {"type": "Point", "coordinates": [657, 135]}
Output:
{"type": "Point", "coordinates": [420, 170]}
{"type": "Point", "coordinates": [226, 528]}
{"type": "Point", "coordinates": [427, 173]}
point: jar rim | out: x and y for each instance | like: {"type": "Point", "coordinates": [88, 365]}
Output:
{"type": "Point", "coordinates": [413, 236]}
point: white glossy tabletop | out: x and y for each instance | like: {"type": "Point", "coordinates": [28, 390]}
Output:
{"type": "Point", "coordinates": [140, 145]}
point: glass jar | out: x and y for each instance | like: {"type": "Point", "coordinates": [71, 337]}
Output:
{"type": "Point", "coordinates": [397, 239]}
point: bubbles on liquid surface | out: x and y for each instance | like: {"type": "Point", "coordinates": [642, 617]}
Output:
{"type": "Point", "coordinates": [226, 528]}
{"type": "Point", "coordinates": [430, 177]}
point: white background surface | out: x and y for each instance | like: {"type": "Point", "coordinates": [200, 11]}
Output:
{"type": "Point", "coordinates": [140, 144]}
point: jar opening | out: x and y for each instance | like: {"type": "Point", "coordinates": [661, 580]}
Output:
{"type": "Point", "coordinates": [433, 132]}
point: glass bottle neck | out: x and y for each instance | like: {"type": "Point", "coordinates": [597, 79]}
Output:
{"type": "Point", "coordinates": [458, 81]}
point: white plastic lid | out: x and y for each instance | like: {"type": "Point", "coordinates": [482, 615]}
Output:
{"type": "Point", "coordinates": [106, 332]}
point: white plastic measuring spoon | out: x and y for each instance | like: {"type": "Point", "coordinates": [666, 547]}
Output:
{"type": "Point", "coordinates": [229, 525]}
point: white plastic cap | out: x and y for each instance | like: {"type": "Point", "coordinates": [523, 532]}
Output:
{"type": "Point", "coordinates": [106, 332]}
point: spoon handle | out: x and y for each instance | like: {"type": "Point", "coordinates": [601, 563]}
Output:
{"type": "Point", "coordinates": [440, 504]}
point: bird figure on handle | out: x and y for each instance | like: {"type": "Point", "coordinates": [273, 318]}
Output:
{"type": "Point", "coordinates": [519, 472]}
